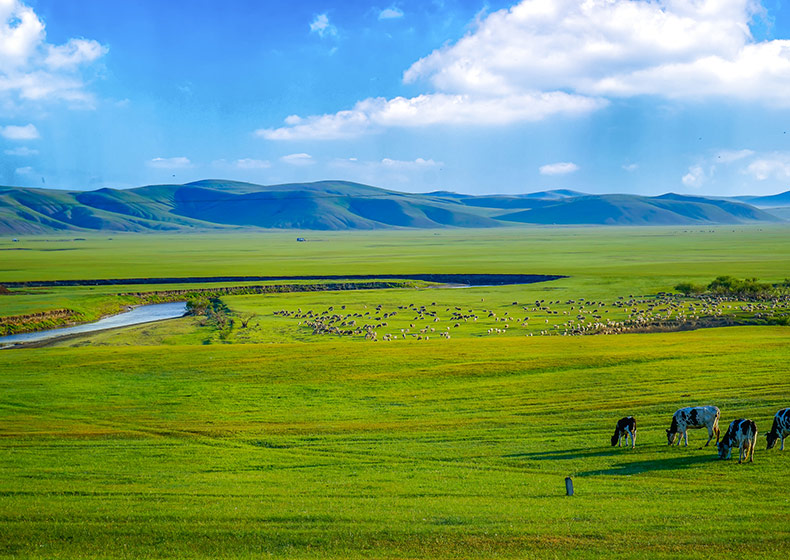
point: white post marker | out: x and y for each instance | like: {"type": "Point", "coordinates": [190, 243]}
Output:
{"type": "Point", "coordinates": [569, 486]}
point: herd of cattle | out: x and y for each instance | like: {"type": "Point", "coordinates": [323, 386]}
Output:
{"type": "Point", "coordinates": [742, 433]}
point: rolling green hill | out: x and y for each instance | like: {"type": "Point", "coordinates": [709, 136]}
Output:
{"type": "Point", "coordinates": [621, 209]}
{"type": "Point", "coordinates": [340, 205]}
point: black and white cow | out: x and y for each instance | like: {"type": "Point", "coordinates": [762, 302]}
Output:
{"type": "Point", "coordinates": [742, 434]}
{"type": "Point", "coordinates": [625, 427]}
{"type": "Point", "coordinates": [780, 429]}
{"type": "Point", "coordinates": [694, 417]}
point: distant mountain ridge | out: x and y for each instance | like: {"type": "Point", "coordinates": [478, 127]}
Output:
{"type": "Point", "coordinates": [342, 205]}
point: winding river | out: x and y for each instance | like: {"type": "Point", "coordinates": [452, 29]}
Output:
{"type": "Point", "coordinates": [138, 315]}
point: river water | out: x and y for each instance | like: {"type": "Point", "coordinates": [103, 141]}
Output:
{"type": "Point", "coordinates": [138, 315]}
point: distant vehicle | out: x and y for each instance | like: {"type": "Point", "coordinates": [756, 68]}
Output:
{"type": "Point", "coordinates": [15, 240]}
{"type": "Point", "coordinates": [301, 239]}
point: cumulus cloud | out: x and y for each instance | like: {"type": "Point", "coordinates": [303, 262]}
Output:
{"type": "Point", "coordinates": [27, 170]}
{"type": "Point", "coordinates": [391, 13]}
{"type": "Point", "coordinates": [541, 58]}
{"type": "Point", "coordinates": [21, 34]}
{"type": "Point", "coordinates": [74, 53]}
{"type": "Point", "coordinates": [771, 166]}
{"type": "Point", "coordinates": [170, 163]}
{"type": "Point", "coordinates": [560, 168]}
{"type": "Point", "coordinates": [13, 132]}
{"type": "Point", "coordinates": [32, 69]}
{"type": "Point", "coordinates": [298, 159]}
{"type": "Point", "coordinates": [430, 109]}
{"type": "Point", "coordinates": [695, 177]}
{"type": "Point", "coordinates": [671, 48]}
{"type": "Point", "coordinates": [631, 167]}
{"type": "Point", "coordinates": [321, 25]}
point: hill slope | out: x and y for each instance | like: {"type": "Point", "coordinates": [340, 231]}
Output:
{"type": "Point", "coordinates": [620, 209]}
{"type": "Point", "coordinates": [340, 205]}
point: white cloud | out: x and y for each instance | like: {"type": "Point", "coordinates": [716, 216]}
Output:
{"type": "Point", "coordinates": [12, 132]}
{"type": "Point", "coordinates": [541, 58]}
{"type": "Point", "coordinates": [695, 177]}
{"type": "Point", "coordinates": [321, 25]}
{"type": "Point", "coordinates": [391, 13]}
{"type": "Point", "coordinates": [671, 48]}
{"type": "Point", "coordinates": [729, 156]}
{"type": "Point", "coordinates": [21, 33]}
{"type": "Point", "coordinates": [631, 167]}
{"type": "Point", "coordinates": [560, 168]}
{"type": "Point", "coordinates": [170, 163]}
{"type": "Point", "coordinates": [249, 163]}
{"type": "Point", "coordinates": [430, 109]}
{"type": "Point", "coordinates": [418, 163]}
{"type": "Point", "coordinates": [27, 170]}
{"type": "Point", "coordinates": [32, 69]}
{"type": "Point", "coordinates": [388, 164]}
{"type": "Point", "coordinates": [298, 159]}
{"type": "Point", "coordinates": [772, 166]}
{"type": "Point", "coordinates": [419, 173]}
{"type": "Point", "coordinates": [74, 53]}
{"type": "Point", "coordinates": [22, 151]}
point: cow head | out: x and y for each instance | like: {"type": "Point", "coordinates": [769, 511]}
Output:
{"type": "Point", "coordinates": [615, 439]}
{"type": "Point", "coordinates": [671, 436]}
{"type": "Point", "coordinates": [771, 437]}
{"type": "Point", "coordinates": [725, 449]}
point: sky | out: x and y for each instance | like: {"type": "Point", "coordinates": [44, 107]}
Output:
{"type": "Point", "coordinates": [470, 96]}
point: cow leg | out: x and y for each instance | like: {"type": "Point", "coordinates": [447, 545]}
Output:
{"type": "Point", "coordinates": [710, 436]}
{"type": "Point", "coordinates": [686, 438]}
{"type": "Point", "coordinates": [782, 448]}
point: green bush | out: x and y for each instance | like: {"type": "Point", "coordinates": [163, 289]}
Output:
{"type": "Point", "coordinates": [687, 288]}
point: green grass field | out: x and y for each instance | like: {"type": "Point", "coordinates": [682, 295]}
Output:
{"type": "Point", "coordinates": [167, 441]}
{"type": "Point", "coordinates": [344, 450]}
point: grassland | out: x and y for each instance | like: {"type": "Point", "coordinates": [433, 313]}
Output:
{"type": "Point", "coordinates": [455, 450]}
{"type": "Point", "coordinates": [602, 262]}
{"type": "Point", "coordinates": [159, 442]}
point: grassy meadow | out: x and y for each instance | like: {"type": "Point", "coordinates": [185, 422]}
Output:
{"type": "Point", "coordinates": [170, 441]}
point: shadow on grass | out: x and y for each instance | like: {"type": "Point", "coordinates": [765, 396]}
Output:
{"type": "Point", "coordinates": [569, 454]}
{"type": "Point", "coordinates": [636, 467]}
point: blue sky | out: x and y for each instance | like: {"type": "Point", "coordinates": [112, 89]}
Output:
{"type": "Point", "coordinates": [645, 97]}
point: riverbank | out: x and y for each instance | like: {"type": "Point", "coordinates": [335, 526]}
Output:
{"type": "Point", "coordinates": [135, 316]}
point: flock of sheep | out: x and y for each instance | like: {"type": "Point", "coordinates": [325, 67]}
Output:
{"type": "Point", "coordinates": [571, 317]}
{"type": "Point", "coordinates": [742, 433]}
